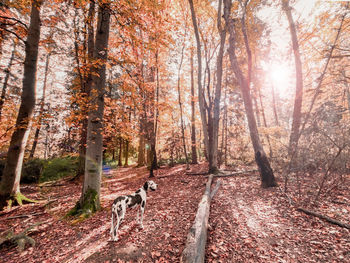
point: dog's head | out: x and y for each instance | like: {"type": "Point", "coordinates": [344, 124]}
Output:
{"type": "Point", "coordinates": [150, 185]}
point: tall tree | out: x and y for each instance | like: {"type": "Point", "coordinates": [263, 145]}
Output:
{"type": "Point", "coordinates": [266, 173]}
{"type": "Point", "coordinates": [90, 198]}
{"type": "Point", "coordinates": [294, 135]}
{"type": "Point", "coordinates": [42, 104]}
{"type": "Point", "coordinates": [193, 112]}
{"type": "Point", "coordinates": [210, 112]}
{"type": "Point", "coordinates": [10, 181]}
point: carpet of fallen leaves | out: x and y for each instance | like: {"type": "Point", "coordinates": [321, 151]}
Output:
{"type": "Point", "coordinates": [168, 216]}
{"type": "Point", "coordinates": [251, 224]}
{"type": "Point", "coordinates": [247, 223]}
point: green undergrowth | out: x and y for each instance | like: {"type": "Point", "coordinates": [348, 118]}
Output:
{"type": "Point", "coordinates": [58, 168]}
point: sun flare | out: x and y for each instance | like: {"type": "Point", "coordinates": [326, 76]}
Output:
{"type": "Point", "coordinates": [280, 77]}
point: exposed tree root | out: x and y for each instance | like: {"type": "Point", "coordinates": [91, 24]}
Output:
{"type": "Point", "coordinates": [326, 218]}
{"type": "Point", "coordinates": [20, 240]}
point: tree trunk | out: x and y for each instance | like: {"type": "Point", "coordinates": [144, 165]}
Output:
{"type": "Point", "coordinates": [274, 105]}
{"type": "Point", "coordinates": [120, 154]}
{"type": "Point", "coordinates": [90, 198]}
{"type": "Point", "coordinates": [86, 87]}
{"type": "Point", "coordinates": [266, 173]}
{"type": "Point", "coordinates": [180, 105]}
{"type": "Point", "coordinates": [216, 117]}
{"type": "Point", "coordinates": [141, 155]}
{"type": "Point", "coordinates": [193, 109]}
{"type": "Point", "coordinates": [126, 153]}
{"type": "Point", "coordinates": [41, 112]}
{"type": "Point", "coordinates": [202, 109]}
{"type": "Point", "coordinates": [6, 79]}
{"type": "Point", "coordinates": [294, 135]}
{"type": "Point", "coordinates": [12, 172]}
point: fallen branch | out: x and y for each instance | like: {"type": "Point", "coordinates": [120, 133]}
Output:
{"type": "Point", "coordinates": [197, 237]}
{"type": "Point", "coordinates": [326, 218]}
{"type": "Point", "coordinates": [202, 173]}
{"type": "Point", "coordinates": [235, 173]}
{"type": "Point", "coordinates": [22, 216]}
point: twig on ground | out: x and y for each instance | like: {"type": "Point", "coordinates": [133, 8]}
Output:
{"type": "Point", "coordinates": [22, 216]}
{"type": "Point", "coordinates": [328, 219]}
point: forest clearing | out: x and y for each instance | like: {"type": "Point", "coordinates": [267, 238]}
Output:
{"type": "Point", "coordinates": [174, 131]}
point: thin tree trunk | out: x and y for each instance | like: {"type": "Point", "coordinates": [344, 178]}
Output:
{"type": "Point", "coordinates": [202, 109]}
{"type": "Point", "coordinates": [93, 164]}
{"type": "Point", "coordinates": [10, 180]}
{"type": "Point", "coordinates": [274, 105]}
{"type": "Point", "coordinates": [266, 173]}
{"type": "Point", "coordinates": [86, 87]}
{"type": "Point", "coordinates": [120, 154]}
{"type": "Point", "coordinates": [126, 153]}
{"type": "Point", "coordinates": [41, 112]}
{"type": "Point", "coordinates": [6, 79]}
{"type": "Point", "coordinates": [216, 117]}
{"type": "Point", "coordinates": [180, 105]}
{"type": "Point", "coordinates": [193, 109]}
{"type": "Point", "coordinates": [264, 120]}
{"type": "Point", "coordinates": [294, 135]}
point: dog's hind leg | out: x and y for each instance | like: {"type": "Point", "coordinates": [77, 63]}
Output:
{"type": "Point", "coordinates": [115, 230]}
{"type": "Point", "coordinates": [142, 209]}
{"type": "Point", "coordinates": [112, 224]}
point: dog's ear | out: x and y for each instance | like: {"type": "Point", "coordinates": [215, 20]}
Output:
{"type": "Point", "coordinates": [145, 186]}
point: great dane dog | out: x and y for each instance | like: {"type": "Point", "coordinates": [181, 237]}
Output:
{"type": "Point", "coordinates": [123, 202]}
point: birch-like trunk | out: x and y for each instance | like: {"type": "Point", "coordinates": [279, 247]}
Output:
{"type": "Point", "coordinates": [12, 172]}
{"type": "Point", "coordinates": [93, 163]}
{"type": "Point", "coordinates": [193, 125]}
{"type": "Point", "coordinates": [202, 109]}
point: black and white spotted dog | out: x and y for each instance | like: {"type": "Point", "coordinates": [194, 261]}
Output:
{"type": "Point", "coordinates": [121, 203]}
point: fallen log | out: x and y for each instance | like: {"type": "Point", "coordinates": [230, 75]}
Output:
{"type": "Point", "coordinates": [197, 237]}
{"type": "Point", "coordinates": [326, 218]}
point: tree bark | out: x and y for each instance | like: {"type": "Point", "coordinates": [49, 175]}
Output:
{"type": "Point", "coordinates": [180, 104]}
{"type": "Point", "coordinates": [93, 164]}
{"type": "Point", "coordinates": [266, 173]}
{"type": "Point", "coordinates": [199, 78]}
{"type": "Point", "coordinates": [216, 115]}
{"type": "Point", "coordinates": [12, 172]}
{"type": "Point", "coordinates": [120, 154]}
{"type": "Point", "coordinates": [126, 153]}
{"type": "Point", "coordinates": [41, 112]}
{"type": "Point", "coordinates": [86, 87]}
{"type": "Point", "coordinates": [6, 79]}
{"type": "Point", "coordinates": [193, 110]}
{"type": "Point", "coordinates": [294, 135]}
{"type": "Point", "coordinates": [141, 154]}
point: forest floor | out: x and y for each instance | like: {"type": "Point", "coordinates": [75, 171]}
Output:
{"type": "Point", "coordinates": [247, 223]}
